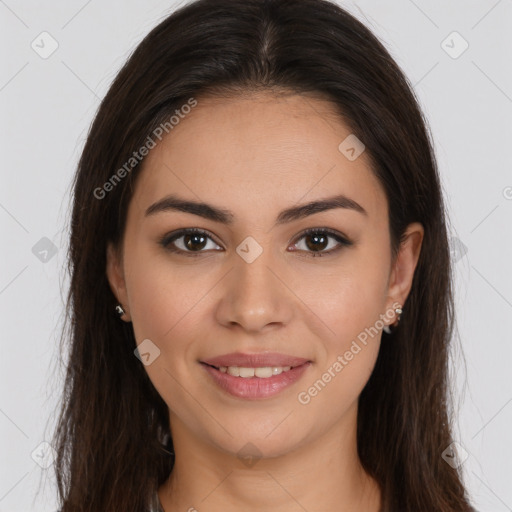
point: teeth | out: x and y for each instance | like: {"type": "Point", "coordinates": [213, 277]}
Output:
{"type": "Point", "coordinates": [247, 373]}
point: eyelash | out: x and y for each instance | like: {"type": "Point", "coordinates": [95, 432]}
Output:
{"type": "Point", "coordinates": [167, 240]}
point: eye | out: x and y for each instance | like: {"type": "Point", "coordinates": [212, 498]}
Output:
{"type": "Point", "coordinates": [317, 240]}
{"type": "Point", "coordinates": [194, 240]}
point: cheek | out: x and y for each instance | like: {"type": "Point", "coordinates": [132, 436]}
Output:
{"type": "Point", "coordinates": [335, 387]}
{"type": "Point", "coordinates": [162, 296]}
{"type": "Point", "coordinates": [351, 306]}
{"type": "Point", "coordinates": [350, 303]}
{"type": "Point", "coordinates": [349, 300]}
{"type": "Point", "coordinates": [164, 306]}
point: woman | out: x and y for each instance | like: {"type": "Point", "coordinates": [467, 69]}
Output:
{"type": "Point", "coordinates": [260, 304]}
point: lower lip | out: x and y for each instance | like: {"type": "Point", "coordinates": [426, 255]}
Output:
{"type": "Point", "coordinates": [256, 387]}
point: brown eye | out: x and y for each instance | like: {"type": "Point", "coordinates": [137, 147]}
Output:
{"type": "Point", "coordinates": [317, 240]}
{"type": "Point", "coordinates": [190, 242]}
{"type": "Point", "coordinates": [194, 242]}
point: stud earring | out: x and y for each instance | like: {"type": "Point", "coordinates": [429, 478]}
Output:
{"type": "Point", "coordinates": [390, 328]}
{"type": "Point", "coordinates": [119, 310]}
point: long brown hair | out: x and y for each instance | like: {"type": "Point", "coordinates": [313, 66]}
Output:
{"type": "Point", "coordinates": [112, 438]}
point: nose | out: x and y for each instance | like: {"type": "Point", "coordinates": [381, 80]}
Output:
{"type": "Point", "coordinates": [255, 296]}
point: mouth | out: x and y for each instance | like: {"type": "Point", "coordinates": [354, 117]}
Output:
{"type": "Point", "coordinates": [254, 381]}
{"type": "Point", "coordinates": [255, 360]}
{"type": "Point", "coordinates": [247, 372]}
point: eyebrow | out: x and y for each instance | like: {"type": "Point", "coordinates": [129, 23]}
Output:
{"type": "Point", "coordinates": [208, 211]}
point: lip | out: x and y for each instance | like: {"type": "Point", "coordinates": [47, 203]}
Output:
{"type": "Point", "coordinates": [254, 388]}
{"type": "Point", "coordinates": [255, 360]}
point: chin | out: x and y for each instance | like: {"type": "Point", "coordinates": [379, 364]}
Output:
{"type": "Point", "coordinates": [257, 442]}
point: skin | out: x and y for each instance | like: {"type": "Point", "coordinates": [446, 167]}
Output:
{"type": "Point", "coordinates": [256, 155]}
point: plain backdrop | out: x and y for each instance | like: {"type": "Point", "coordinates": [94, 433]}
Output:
{"type": "Point", "coordinates": [457, 56]}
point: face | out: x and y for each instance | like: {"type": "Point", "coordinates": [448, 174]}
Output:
{"type": "Point", "coordinates": [251, 281]}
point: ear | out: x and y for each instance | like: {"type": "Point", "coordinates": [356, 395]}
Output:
{"type": "Point", "coordinates": [400, 281]}
{"type": "Point", "coordinates": [115, 276]}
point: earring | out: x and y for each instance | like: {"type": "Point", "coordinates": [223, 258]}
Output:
{"type": "Point", "coordinates": [119, 310]}
{"type": "Point", "coordinates": [390, 328]}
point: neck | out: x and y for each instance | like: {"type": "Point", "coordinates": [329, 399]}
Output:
{"type": "Point", "coordinates": [322, 475]}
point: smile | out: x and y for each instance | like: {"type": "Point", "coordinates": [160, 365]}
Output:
{"type": "Point", "coordinates": [255, 383]}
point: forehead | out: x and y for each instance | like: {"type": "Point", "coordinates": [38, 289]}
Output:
{"type": "Point", "coordinates": [258, 151]}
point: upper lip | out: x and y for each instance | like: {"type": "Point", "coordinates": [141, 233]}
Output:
{"type": "Point", "coordinates": [255, 360]}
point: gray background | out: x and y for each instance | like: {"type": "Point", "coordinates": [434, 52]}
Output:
{"type": "Point", "coordinates": [48, 103]}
